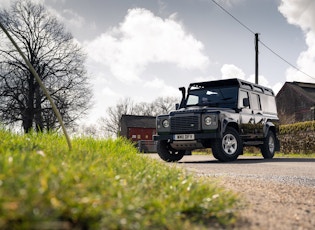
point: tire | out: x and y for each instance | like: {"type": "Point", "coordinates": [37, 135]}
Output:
{"type": "Point", "coordinates": [167, 153]}
{"type": "Point", "coordinates": [269, 146]}
{"type": "Point", "coordinates": [229, 147]}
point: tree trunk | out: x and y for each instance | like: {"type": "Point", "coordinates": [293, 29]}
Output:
{"type": "Point", "coordinates": [28, 117]}
{"type": "Point", "coordinates": [38, 115]}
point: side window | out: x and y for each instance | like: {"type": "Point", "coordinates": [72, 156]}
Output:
{"type": "Point", "coordinates": [269, 104]}
{"type": "Point", "coordinates": [255, 102]}
{"type": "Point", "coordinates": [243, 95]}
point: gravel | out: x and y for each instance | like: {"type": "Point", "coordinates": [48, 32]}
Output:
{"type": "Point", "coordinates": [273, 205]}
{"type": "Point", "coordinates": [277, 193]}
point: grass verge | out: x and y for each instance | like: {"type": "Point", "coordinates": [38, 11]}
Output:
{"type": "Point", "coordinates": [100, 184]}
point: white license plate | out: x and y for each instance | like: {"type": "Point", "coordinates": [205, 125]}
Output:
{"type": "Point", "coordinates": [181, 137]}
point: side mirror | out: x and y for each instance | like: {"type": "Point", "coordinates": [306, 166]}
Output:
{"type": "Point", "coordinates": [246, 102]}
{"type": "Point", "coordinates": [177, 106]}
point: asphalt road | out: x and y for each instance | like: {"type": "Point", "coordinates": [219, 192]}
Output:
{"type": "Point", "coordinates": [296, 171]}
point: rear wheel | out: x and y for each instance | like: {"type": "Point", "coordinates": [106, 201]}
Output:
{"type": "Point", "coordinates": [269, 147]}
{"type": "Point", "coordinates": [229, 147]}
{"type": "Point", "coordinates": [167, 153]}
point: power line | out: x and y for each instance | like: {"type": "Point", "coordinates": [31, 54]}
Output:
{"type": "Point", "coordinates": [267, 47]}
{"type": "Point", "coordinates": [293, 66]}
{"type": "Point", "coordinates": [242, 24]}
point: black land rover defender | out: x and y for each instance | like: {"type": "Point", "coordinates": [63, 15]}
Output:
{"type": "Point", "coordinates": [224, 115]}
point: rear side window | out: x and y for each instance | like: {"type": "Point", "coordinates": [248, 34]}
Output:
{"type": "Point", "coordinates": [268, 104]}
{"type": "Point", "coordinates": [255, 102]}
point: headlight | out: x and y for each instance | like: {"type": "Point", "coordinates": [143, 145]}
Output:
{"type": "Point", "coordinates": [208, 120]}
{"type": "Point", "coordinates": [165, 123]}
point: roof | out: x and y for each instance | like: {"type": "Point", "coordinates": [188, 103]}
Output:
{"type": "Point", "coordinates": [302, 88]}
{"type": "Point", "coordinates": [233, 82]}
{"type": "Point", "coordinates": [138, 121]}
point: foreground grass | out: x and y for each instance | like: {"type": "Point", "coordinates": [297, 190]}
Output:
{"type": "Point", "coordinates": [100, 184]}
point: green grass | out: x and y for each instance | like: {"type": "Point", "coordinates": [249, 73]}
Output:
{"type": "Point", "coordinates": [101, 184]}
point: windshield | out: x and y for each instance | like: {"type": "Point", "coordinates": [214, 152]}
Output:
{"type": "Point", "coordinates": [223, 97]}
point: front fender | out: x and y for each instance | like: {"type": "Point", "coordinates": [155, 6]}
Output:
{"type": "Point", "coordinates": [271, 126]}
{"type": "Point", "coordinates": [228, 122]}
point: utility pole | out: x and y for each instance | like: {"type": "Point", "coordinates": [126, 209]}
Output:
{"type": "Point", "coordinates": [256, 58]}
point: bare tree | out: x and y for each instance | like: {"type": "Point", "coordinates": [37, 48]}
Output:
{"type": "Point", "coordinates": [164, 105]}
{"type": "Point", "coordinates": [143, 109]}
{"type": "Point", "coordinates": [57, 59]}
{"type": "Point", "coordinates": [111, 123]}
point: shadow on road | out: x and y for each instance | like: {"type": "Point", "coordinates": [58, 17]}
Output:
{"type": "Point", "coordinates": [248, 160]}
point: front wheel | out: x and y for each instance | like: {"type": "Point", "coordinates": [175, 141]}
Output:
{"type": "Point", "coordinates": [229, 147]}
{"type": "Point", "coordinates": [268, 148]}
{"type": "Point", "coordinates": [167, 153]}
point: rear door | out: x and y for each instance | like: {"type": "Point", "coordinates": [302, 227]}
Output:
{"type": "Point", "coordinates": [258, 115]}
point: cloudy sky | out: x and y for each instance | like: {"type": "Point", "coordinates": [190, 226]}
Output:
{"type": "Point", "coordinates": [144, 49]}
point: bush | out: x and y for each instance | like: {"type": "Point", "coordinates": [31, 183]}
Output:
{"type": "Point", "coordinates": [297, 127]}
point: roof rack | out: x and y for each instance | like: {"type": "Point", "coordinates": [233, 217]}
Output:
{"type": "Point", "coordinates": [236, 82]}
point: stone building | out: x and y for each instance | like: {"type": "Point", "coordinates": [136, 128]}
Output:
{"type": "Point", "coordinates": [296, 102]}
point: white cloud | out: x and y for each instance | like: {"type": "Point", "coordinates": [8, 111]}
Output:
{"type": "Point", "coordinates": [72, 19]}
{"type": "Point", "coordinates": [68, 17]}
{"type": "Point", "coordinates": [205, 78]}
{"type": "Point", "coordinates": [262, 80]}
{"type": "Point", "coordinates": [232, 71]}
{"type": "Point", "coordinates": [143, 38]}
{"type": "Point", "coordinates": [301, 14]}
{"type": "Point", "coordinates": [5, 3]}
{"type": "Point", "coordinates": [162, 87]}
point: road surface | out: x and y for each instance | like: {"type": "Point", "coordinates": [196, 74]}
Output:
{"type": "Point", "coordinates": [279, 193]}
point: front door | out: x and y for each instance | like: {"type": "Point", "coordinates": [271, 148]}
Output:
{"type": "Point", "coordinates": [247, 117]}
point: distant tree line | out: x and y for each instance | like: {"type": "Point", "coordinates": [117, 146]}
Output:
{"type": "Point", "coordinates": [109, 125]}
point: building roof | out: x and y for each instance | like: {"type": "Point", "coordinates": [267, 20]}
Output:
{"type": "Point", "coordinates": [138, 121]}
{"type": "Point", "coordinates": [302, 88]}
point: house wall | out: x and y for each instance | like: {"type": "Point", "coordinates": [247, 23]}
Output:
{"type": "Point", "coordinates": [137, 127]}
{"type": "Point", "coordinates": [138, 133]}
{"type": "Point", "coordinates": [286, 105]}
{"type": "Point", "coordinates": [293, 106]}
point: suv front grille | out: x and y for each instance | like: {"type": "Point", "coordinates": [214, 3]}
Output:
{"type": "Point", "coordinates": [184, 124]}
